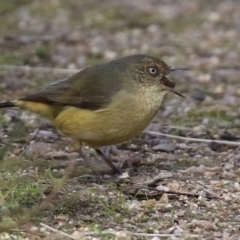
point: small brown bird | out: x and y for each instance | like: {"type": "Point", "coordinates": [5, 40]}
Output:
{"type": "Point", "coordinates": [104, 104]}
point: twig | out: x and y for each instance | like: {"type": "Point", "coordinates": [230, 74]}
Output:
{"type": "Point", "coordinates": [153, 193]}
{"type": "Point", "coordinates": [161, 234]}
{"type": "Point", "coordinates": [115, 232]}
{"type": "Point", "coordinates": [155, 180]}
{"type": "Point", "coordinates": [189, 194]}
{"type": "Point", "coordinates": [211, 193]}
{"type": "Point", "coordinates": [231, 143]}
{"type": "Point", "coordinates": [39, 69]}
{"type": "Point", "coordinates": [145, 234]}
{"type": "Point", "coordinates": [58, 231]}
{"type": "Point", "coordinates": [153, 124]}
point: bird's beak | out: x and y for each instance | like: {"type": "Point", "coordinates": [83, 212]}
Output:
{"type": "Point", "coordinates": [177, 93]}
{"type": "Point", "coordinates": [178, 69]}
{"type": "Point", "coordinates": [168, 83]}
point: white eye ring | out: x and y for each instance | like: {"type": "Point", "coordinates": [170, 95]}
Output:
{"type": "Point", "coordinates": [152, 70]}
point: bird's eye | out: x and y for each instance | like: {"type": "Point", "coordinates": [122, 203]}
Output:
{"type": "Point", "coordinates": [152, 70]}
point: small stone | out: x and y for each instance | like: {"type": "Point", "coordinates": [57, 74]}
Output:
{"type": "Point", "coordinates": [123, 236]}
{"type": "Point", "coordinates": [16, 151]}
{"type": "Point", "coordinates": [61, 217]}
{"type": "Point", "coordinates": [124, 175]}
{"type": "Point", "coordinates": [164, 198]}
{"type": "Point", "coordinates": [43, 229]}
{"type": "Point", "coordinates": [164, 174]}
{"type": "Point", "coordinates": [207, 225]}
{"type": "Point", "coordinates": [214, 17]}
{"type": "Point", "coordinates": [109, 55]}
{"type": "Point", "coordinates": [153, 28]}
{"type": "Point", "coordinates": [162, 188]}
{"type": "Point", "coordinates": [166, 147]}
{"type": "Point", "coordinates": [81, 61]}
{"type": "Point", "coordinates": [229, 166]}
{"type": "Point", "coordinates": [236, 186]}
{"type": "Point", "coordinates": [204, 78]}
{"type": "Point", "coordinates": [174, 186]}
{"type": "Point", "coordinates": [175, 230]}
{"type": "Point", "coordinates": [180, 213]}
{"type": "Point", "coordinates": [219, 89]}
{"type": "Point", "coordinates": [72, 155]}
{"type": "Point", "coordinates": [78, 235]}
{"type": "Point", "coordinates": [37, 149]}
{"type": "Point", "coordinates": [200, 169]}
{"type": "Point", "coordinates": [228, 174]}
{"type": "Point", "coordinates": [209, 174]}
{"type": "Point", "coordinates": [133, 205]}
{"type": "Point", "coordinates": [199, 95]}
{"type": "Point", "coordinates": [199, 129]}
{"type": "Point", "coordinates": [33, 229]}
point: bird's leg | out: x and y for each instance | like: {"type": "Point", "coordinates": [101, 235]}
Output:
{"type": "Point", "coordinates": [86, 160]}
{"type": "Point", "coordinates": [78, 147]}
{"type": "Point", "coordinates": [108, 161]}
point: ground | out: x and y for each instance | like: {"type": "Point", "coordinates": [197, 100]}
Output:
{"type": "Point", "coordinates": [171, 188]}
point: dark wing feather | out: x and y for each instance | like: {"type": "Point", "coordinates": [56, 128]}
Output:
{"type": "Point", "coordinates": [92, 88]}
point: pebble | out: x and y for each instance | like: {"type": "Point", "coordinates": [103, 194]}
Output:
{"type": "Point", "coordinates": [164, 174]}
{"type": "Point", "coordinates": [204, 78]}
{"type": "Point", "coordinates": [236, 186]}
{"type": "Point", "coordinates": [209, 174]}
{"type": "Point", "coordinates": [228, 166]}
{"type": "Point", "coordinates": [61, 217]}
{"type": "Point", "coordinates": [199, 128]}
{"type": "Point", "coordinates": [164, 198]}
{"type": "Point", "coordinates": [162, 188]}
{"type": "Point", "coordinates": [214, 17]}
{"type": "Point", "coordinates": [175, 230]}
{"type": "Point", "coordinates": [123, 236]}
{"type": "Point", "coordinates": [200, 169]}
{"type": "Point", "coordinates": [78, 235]}
{"type": "Point", "coordinates": [199, 95]}
{"type": "Point", "coordinates": [133, 205]}
{"type": "Point", "coordinates": [33, 229]}
{"type": "Point", "coordinates": [43, 229]}
{"type": "Point", "coordinates": [207, 225]}
{"type": "Point", "coordinates": [228, 174]}
{"type": "Point", "coordinates": [124, 175]}
{"type": "Point", "coordinates": [167, 147]}
{"type": "Point", "coordinates": [72, 155]}
{"type": "Point", "coordinates": [155, 238]}
{"type": "Point", "coordinates": [174, 186]}
{"type": "Point", "coordinates": [180, 213]}
{"type": "Point", "coordinates": [109, 55]}
{"type": "Point", "coordinates": [37, 149]}
{"type": "Point", "coordinates": [218, 89]}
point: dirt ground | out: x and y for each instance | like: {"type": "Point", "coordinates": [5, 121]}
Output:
{"type": "Point", "coordinates": [171, 188]}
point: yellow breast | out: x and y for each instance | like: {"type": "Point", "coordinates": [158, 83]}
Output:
{"type": "Point", "coordinates": [125, 118]}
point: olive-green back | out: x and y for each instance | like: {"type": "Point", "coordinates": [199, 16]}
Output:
{"type": "Point", "coordinates": [91, 88]}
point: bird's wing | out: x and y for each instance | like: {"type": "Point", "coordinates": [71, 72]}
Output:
{"type": "Point", "coordinates": [91, 89]}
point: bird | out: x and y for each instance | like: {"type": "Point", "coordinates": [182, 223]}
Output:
{"type": "Point", "coordinates": [104, 104]}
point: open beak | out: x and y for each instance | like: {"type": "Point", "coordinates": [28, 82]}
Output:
{"type": "Point", "coordinates": [168, 83]}
{"type": "Point", "coordinates": [177, 93]}
{"type": "Point", "coordinates": [178, 69]}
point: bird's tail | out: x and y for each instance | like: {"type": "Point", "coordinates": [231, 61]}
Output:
{"type": "Point", "coordinates": [7, 104]}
